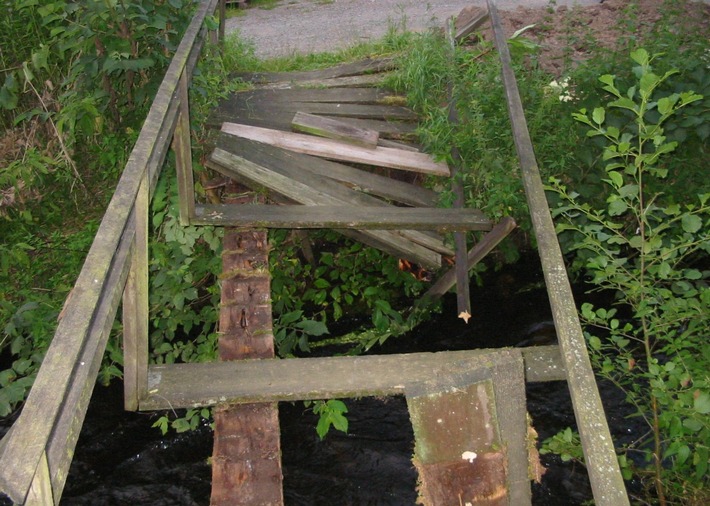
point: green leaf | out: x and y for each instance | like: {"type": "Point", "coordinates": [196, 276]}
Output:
{"type": "Point", "coordinates": [598, 115]}
{"type": "Point", "coordinates": [692, 424]}
{"type": "Point", "coordinates": [691, 223]}
{"type": "Point", "coordinates": [312, 327]}
{"type": "Point", "coordinates": [640, 56]}
{"type": "Point", "coordinates": [701, 404]}
{"type": "Point", "coordinates": [616, 179]}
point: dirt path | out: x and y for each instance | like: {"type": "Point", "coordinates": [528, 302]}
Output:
{"type": "Point", "coordinates": [306, 26]}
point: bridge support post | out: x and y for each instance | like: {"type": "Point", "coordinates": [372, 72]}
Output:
{"type": "Point", "coordinates": [246, 459]}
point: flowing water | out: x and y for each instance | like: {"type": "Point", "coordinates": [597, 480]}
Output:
{"type": "Point", "coordinates": [121, 460]}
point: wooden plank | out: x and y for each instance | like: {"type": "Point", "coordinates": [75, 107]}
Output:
{"type": "Point", "coordinates": [334, 129]}
{"type": "Point", "coordinates": [373, 218]}
{"type": "Point", "coordinates": [477, 253]}
{"type": "Point", "coordinates": [268, 380]}
{"type": "Point", "coordinates": [307, 169]}
{"type": "Point", "coordinates": [367, 66]}
{"type": "Point", "coordinates": [182, 147]}
{"type": "Point", "coordinates": [337, 82]}
{"type": "Point", "coordinates": [468, 21]}
{"type": "Point", "coordinates": [600, 457]}
{"type": "Point", "coordinates": [366, 96]}
{"type": "Point", "coordinates": [308, 195]}
{"type": "Point", "coordinates": [326, 148]}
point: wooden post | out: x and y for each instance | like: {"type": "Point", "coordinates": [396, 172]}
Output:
{"type": "Point", "coordinates": [135, 308]}
{"type": "Point", "coordinates": [246, 460]}
{"type": "Point", "coordinates": [470, 435]}
{"type": "Point", "coordinates": [183, 155]}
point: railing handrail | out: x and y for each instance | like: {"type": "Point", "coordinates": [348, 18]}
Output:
{"type": "Point", "coordinates": [31, 471]}
{"type": "Point", "coordinates": [602, 465]}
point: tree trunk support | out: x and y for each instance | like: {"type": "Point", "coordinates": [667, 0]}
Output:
{"type": "Point", "coordinates": [246, 459]}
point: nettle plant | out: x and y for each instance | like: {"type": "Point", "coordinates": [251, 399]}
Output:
{"type": "Point", "coordinates": [653, 253]}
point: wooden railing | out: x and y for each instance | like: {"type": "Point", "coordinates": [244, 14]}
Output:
{"type": "Point", "coordinates": [37, 452]}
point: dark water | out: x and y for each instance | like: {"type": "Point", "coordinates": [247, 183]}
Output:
{"type": "Point", "coordinates": [120, 460]}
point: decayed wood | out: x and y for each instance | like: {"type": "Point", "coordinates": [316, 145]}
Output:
{"type": "Point", "coordinates": [602, 465]}
{"type": "Point", "coordinates": [270, 380]}
{"type": "Point", "coordinates": [468, 428]}
{"type": "Point", "coordinates": [326, 148]}
{"type": "Point", "coordinates": [289, 182]}
{"type": "Point", "coordinates": [477, 253]}
{"type": "Point", "coordinates": [321, 216]}
{"type": "Point", "coordinates": [367, 66]}
{"type": "Point", "coordinates": [334, 129]}
{"type": "Point", "coordinates": [246, 460]}
{"type": "Point", "coordinates": [336, 82]}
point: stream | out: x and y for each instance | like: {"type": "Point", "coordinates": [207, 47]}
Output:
{"type": "Point", "coordinates": [121, 460]}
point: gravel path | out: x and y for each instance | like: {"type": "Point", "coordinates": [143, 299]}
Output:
{"type": "Point", "coordinates": [313, 26]}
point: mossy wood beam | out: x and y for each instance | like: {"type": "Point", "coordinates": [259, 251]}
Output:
{"type": "Point", "coordinates": [269, 380]}
{"type": "Point", "coordinates": [600, 457]}
{"type": "Point", "coordinates": [334, 216]}
{"type": "Point", "coordinates": [44, 436]}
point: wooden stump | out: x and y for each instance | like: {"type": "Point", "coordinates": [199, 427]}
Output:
{"type": "Point", "coordinates": [246, 459]}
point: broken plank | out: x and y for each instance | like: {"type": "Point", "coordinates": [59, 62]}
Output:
{"type": "Point", "coordinates": [337, 82]}
{"type": "Point", "coordinates": [303, 168]}
{"type": "Point", "coordinates": [375, 218]}
{"type": "Point", "coordinates": [363, 67]}
{"type": "Point", "coordinates": [244, 170]}
{"type": "Point", "coordinates": [334, 129]}
{"type": "Point", "coordinates": [475, 255]}
{"type": "Point", "coordinates": [326, 148]}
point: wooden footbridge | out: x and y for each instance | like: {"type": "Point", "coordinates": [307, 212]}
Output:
{"type": "Point", "coordinates": [299, 143]}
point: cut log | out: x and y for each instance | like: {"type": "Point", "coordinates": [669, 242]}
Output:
{"type": "Point", "coordinates": [326, 148]}
{"type": "Point", "coordinates": [245, 474]}
{"type": "Point", "coordinates": [334, 129]}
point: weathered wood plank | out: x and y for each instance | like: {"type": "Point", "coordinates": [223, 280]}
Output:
{"type": "Point", "coordinates": [367, 66]}
{"type": "Point", "coordinates": [307, 169]}
{"type": "Point", "coordinates": [468, 21]}
{"type": "Point", "coordinates": [475, 255]}
{"type": "Point", "coordinates": [334, 129]}
{"type": "Point", "coordinates": [601, 462]}
{"type": "Point", "coordinates": [375, 218]}
{"type": "Point", "coordinates": [336, 82]}
{"type": "Point", "coordinates": [268, 380]}
{"type": "Point", "coordinates": [244, 170]}
{"type": "Point", "coordinates": [326, 148]}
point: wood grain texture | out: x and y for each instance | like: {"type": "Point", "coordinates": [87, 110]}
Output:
{"type": "Point", "coordinates": [334, 129]}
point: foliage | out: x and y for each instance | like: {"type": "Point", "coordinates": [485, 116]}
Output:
{"type": "Point", "coordinates": [347, 279]}
{"type": "Point", "coordinates": [331, 412]}
{"type": "Point", "coordinates": [651, 251]}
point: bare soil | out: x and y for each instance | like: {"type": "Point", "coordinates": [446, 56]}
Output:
{"type": "Point", "coordinates": [566, 29]}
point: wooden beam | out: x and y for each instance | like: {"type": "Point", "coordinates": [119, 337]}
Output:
{"type": "Point", "coordinates": [375, 218]}
{"type": "Point", "coordinates": [477, 253]}
{"type": "Point", "coordinates": [600, 457]}
{"type": "Point", "coordinates": [326, 148]}
{"type": "Point", "coordinates": [334, 129]}
{"type": "Point", "coordinates": [366, 66]}
{"type": "Point", "coordinates": [269, 380]}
